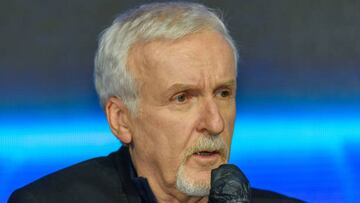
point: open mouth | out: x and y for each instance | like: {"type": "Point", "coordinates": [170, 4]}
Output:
{"type": "Point", "coordinates": [206, 153]}
{"type": "Point", "coordinates": [207, 158]}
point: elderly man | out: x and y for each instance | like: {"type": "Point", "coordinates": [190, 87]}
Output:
{"type": "Point", "coordinates": [166, 77]}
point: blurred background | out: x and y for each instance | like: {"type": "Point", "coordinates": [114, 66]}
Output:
{"type": "Point", "coordinates": [298, 109]}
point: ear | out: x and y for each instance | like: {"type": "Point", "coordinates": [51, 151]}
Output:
{"type": "Point", "coordinates": [118, 117]}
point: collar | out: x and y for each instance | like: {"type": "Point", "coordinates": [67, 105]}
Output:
{"type": "Point", "coordinates": [142, 185]}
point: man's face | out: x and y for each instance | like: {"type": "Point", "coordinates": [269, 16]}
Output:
{"type": "Point", "coordinates": [186, 109]}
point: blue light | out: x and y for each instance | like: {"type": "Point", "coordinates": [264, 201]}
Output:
{"type": "Point", "coordinates": [290, 152]}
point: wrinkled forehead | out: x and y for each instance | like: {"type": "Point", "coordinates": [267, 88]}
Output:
{"type": "Point", "coordinates": [163, 57]}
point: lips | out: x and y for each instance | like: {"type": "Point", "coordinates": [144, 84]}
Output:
{"type": "Point", "coordinates": [205, 159]}
{"type": "Point", "coordinates": [206, 153]}
{"type": "Point", "coordinates": [207, 148]}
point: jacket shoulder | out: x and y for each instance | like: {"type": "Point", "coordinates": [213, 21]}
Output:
{"type": "Point", "coordinates": [94, 180]}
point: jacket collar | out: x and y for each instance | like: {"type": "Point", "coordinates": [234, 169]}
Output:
{"type": "Point", "coordinates": [136, 188]}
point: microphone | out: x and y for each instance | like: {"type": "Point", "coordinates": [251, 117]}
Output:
{"type": "Point", "coordinates": [229, 185]}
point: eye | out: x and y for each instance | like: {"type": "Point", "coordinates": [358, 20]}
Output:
{"type": "Point", "coordinates": [224, 93]}
{"type": "Point", "coordinates": [181, 98]}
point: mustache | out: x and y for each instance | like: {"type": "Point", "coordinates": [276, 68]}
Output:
{"type": "Point", "coordinates": [208, 143]}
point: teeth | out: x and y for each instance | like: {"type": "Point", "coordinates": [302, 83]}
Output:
{"type": "Point", "coordinates": [204, 153]}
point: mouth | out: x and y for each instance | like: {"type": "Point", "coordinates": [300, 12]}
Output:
{"type": "Point", "coordinates": [206, 153]}
{"type": "Point", "coordinates": [206, 158]}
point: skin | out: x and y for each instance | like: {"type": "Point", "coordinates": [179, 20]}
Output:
{"type": "Point", "coordinates": [186, 90]}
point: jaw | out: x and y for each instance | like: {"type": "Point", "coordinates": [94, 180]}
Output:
{"type": "Point", "coordinates": [194, 175]}
{"type": "Point", "coordinates": [196, 167]}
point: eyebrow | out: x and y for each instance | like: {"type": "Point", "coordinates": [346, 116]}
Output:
{"type": "Point", "coordinates": [228, 83]}
{"type": "Point", "coordinates": [177, 87]}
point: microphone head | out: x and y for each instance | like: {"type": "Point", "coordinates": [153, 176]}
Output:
{"type": "Point", "coordinates": [229, 185]}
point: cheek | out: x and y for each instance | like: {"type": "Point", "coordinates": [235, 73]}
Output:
{"type": "Point", "coordinates": [165, 137]}
{"type": "Point", "coordinates": [164, 133]}
{"type": "Point", "coordinates": [229, 118]}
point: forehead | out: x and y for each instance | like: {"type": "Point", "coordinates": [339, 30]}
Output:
{"type": "Point", "coordinates": [191, 58]}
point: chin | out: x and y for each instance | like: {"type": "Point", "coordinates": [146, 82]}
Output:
{"type": "Point", "coordinates": [193, 183]}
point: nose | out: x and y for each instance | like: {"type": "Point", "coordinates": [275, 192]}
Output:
{"type": "Point", "coordinates": [211, 120]}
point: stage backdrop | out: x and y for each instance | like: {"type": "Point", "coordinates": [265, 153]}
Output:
{"type": "Point", "coordinates": [298, 117]}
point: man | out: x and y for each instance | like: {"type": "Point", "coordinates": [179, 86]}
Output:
{"type": "Point", "coordinates": [166, 77]}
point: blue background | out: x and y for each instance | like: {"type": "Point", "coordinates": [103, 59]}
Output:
{"type": "Point", "coordinates": [298, 109]}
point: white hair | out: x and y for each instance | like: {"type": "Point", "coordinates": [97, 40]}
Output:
{"type": "Point", "coordinates": [171, 20]}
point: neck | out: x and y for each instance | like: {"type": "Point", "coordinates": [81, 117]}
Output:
{"type": "Point", "coordinates": [162, 190]}
{"type": "Point", "coordinates": [165, 194]}
{"type": "Point", "coordinates": [178, 197]}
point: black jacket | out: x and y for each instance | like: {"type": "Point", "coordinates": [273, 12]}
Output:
{"type": "Point", "coordinates": [101, 180]}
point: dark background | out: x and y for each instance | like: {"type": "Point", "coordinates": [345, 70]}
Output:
{"type": "Point", "coordinates": [299, 80]}
{"type": "Point", "coordinates": [297, 50]}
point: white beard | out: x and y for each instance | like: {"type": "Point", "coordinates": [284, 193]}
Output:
{"type": "Point", "coordinates": [191, 187]}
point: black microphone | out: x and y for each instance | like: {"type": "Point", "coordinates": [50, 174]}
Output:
{"type": "Point", "coordinates": [229, 185]}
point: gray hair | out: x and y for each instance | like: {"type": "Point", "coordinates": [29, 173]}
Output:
{"type": "Point", "coordinates": [171, 20]}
